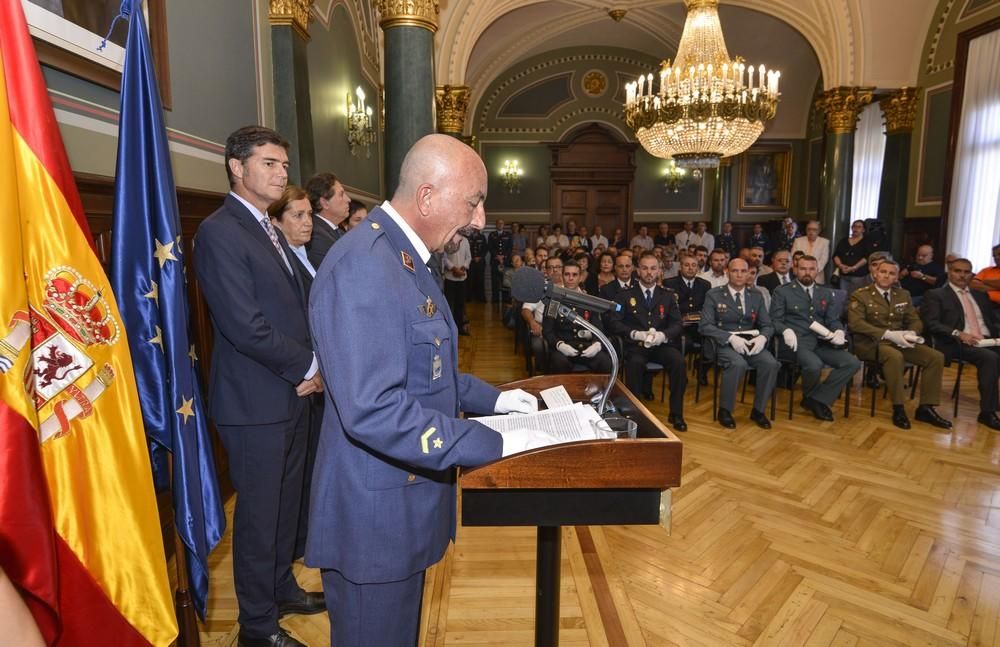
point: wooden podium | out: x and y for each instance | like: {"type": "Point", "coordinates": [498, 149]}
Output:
{"type": "Point", "coordinates": [594, 482]}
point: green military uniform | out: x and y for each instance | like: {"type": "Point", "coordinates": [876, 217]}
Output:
{"type": "Point", "coordinates": [869, 316]}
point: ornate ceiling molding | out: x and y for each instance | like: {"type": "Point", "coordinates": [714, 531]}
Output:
{"type": "Point", "coordinates": [408, 13]}
{"type": "Point", "coordinates": [291, 12]}
{"type": "Point", "coordinates": [899, 108]}
{"type": "Point", "coordinates": [367, 31]}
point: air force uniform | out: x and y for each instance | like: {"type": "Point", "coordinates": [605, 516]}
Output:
{"type": "Point", "coordinates": [383, 493]}
{"type": "Point", "coordinates": [794, 308]}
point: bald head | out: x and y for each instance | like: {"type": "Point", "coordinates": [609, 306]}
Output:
{"type": "Point", "coordinates": [442, 187]}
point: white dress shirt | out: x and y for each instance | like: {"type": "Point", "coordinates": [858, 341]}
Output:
{"type": "Point", "coordinates": [300, 252]}
{"type": "Point", "coordinates": [820, 249]}
{"type": "Point", "coordinates": [716, 281]}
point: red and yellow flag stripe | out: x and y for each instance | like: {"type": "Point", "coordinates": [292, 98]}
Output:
{"type": "Point", "coordinates": [77, 507]}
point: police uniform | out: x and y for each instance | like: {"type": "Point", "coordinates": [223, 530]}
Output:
{"type": "Point", "coordinates": [500, 244]}
{"type": "Point", "coordinates": [383, 505]}
{"type": "Point", "coordinates": [477, 269]}
{"type": "Point", "coordinates": [561, 329]}
{"type": "Point", "coordinates": [792, 308]}
{"type": "Point", "coordinates": [721, 316]}
{"type": "Point", "coordinates": [869, 316]}
{"type": "Point", "coordinates": [726, 242]}
{"type": "Point", "coordinates": [661, 313]}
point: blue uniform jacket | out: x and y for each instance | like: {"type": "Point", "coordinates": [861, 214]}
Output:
{"type": "Point", "coordinates": [383, 492]}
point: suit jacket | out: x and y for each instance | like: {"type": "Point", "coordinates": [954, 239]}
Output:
{"type": "Point", "coordinates": [771, 281]}
{"type": "Point", "coordinates": [870, 316]}
{"type": "Point", "coordinates": [942, 312]}
{"type": "Point", "coordinates": [690, 300]}
{"type": "Point", "coordinates": [792, 308]}
{"type": "Point", "coordinates": [720, 316]}
{"type": "Point", "coordinates": [663, 315]}
{"type": "Point", "coordinates": [610, 290]}
{"type": "Point", "coordinates": [323, 238]}
{"type": "Point", "coordinates": [382, 504]}
{"type": "Point", "coordinates": [261, 345]}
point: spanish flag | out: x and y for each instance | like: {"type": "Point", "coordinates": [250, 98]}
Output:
{"type": "Point", "coordinates": [79, 530]}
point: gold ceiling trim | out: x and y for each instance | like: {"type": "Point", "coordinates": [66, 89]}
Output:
{"type": "Point", "coordinates": [899, 108]}
{"type": "Point", "coordinates": [452, 103]}
{"type": "Point", "coordinates": [294, 13]}
{"type": "Point", "coordinates": [842, 106]}
{"type": "Point", "coordinates": [408, 13]}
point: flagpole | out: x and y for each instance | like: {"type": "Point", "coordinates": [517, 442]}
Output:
{"type": "Point", "coordinates": [187, 619]}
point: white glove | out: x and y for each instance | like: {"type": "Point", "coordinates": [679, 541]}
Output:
{"type": "Point", "coordinates": [566, 349]}
{"type": "Point", "coordinates": [521, 440]}
{"type": "Point", "coordinates": [897, 337]}
{"type": "Point", "coordinates": [516, 401]}
{"type": "Point", "coordinates": [839, 338]}
{"type": "Point", "coordinates": [658, 338]}
{"type": "Point", "coordinates": [756, 345]}
{"type": "Point", "coordinates": [912, 337]}
{"type": "Point", "coordinates": [638, 335]}
{"type": "Point", "coordinates": [790, 339]}
{"type": "Point", "coordinates": [739, 344]}
{"type": "Point", "coordinates": [592, 350]}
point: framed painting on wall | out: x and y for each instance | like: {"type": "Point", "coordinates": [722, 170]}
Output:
{"type": "Point", "coordinates": [67, 34]}
{"type": "Point", "coordinates": [765, 174]}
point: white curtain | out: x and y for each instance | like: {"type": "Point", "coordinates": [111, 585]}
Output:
{"type": "Point", "coordinates": [974, 212]}
{"type": "Point", "coordinates": [869, 151]}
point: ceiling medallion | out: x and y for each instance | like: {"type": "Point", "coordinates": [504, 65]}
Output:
{"type": "Point", "coordinates": [706, 106]}
{"type": "Point", "coordinates": [595, 83]}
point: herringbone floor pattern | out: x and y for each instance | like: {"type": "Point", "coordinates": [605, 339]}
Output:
{"type": "Point", "coordinates": [842, 533]}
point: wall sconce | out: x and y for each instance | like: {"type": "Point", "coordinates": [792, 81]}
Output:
{"type": "Point", "coordinates": [673, 178]}
{"type": "Point", "coordinates": [360, 130]}
{"type": "Point", "coordinates": [511, 173]}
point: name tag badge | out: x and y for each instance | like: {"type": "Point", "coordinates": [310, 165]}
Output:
{"type": "Point", "coordinates": [436, 368]}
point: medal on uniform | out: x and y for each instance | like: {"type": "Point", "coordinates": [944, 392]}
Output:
{"type": "Point", "coordinates": [428, 308]}
{"type": "Point", "coordinates": [631, 302]}
{"type": "Point", "coordinates": [407, 260]}
{"type": "Point", "coordinates": [436, 368]}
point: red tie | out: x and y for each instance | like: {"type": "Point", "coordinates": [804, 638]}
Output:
{"type": "Point", "coordinates": [971, 320]}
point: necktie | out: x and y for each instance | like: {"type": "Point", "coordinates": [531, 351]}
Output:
{"type": "Point", "coordinates": [809, 293]}
{"type": "Point", "coordinates": [887, 299]}
{"type": "Point", "coordinates": [269, 228]}
{"type": "Point", "coordinates": [649, 299]}
{"type": "Point", "coordinates": [739, 303]}
{"type": "Point", "coordinates": [971, 320]}
{"type": "Point", "coordinates": [784, 279]}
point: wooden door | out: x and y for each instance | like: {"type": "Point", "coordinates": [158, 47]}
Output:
{"type": "Point", "coordinates": [606, 206]}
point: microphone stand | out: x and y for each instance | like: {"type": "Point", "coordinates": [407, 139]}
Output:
{"type": "Point", "coordinates": [554, 308]}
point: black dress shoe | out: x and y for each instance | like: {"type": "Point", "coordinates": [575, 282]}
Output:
{"type": "Point", "coordinates": [677, 422]}
{"type": "Point", "coordinates": [990, 419]}
{"type": "Point", "coordinates": [819, 410]}
{"type": "Point", "coordinates": [760, 419]}
{"type": "Point", "coordinates": [899, 418]}
{"type": "Point", "coordinates": [726, 419]}
{"type": "Point", "coordinates": [926, 413]}
{"type": "Point", "coordinates": [307, 604]}
{"type": "Point", "coordinates": [280, 639]}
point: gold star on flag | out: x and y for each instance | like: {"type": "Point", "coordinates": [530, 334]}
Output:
{"type": "Point", "coordinates": [438, 443]}
{"type": "Point", "coordinates": [154, 294]}
{"type": "Point", "coordinates": [164, 253]}
{"type": "Point", "coordinates": [192, 354]}
{"type": "Point", "coordinates": [158, 338]}
{"type": "Point", "coordinates": [186, 409]}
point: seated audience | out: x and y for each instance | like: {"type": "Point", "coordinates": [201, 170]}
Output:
{"type": "Point", "coordinates": [759, 238]}
{"type": "Point", "coordinates": [668, 265]}
{"type": "Point", "coordinates": [569, 344]}
{"type": "Point", "coordinates": [642, 239]}
{"type": "Point", "coordinates": [684, 238]}
{"type": "Point", "coordinates": [598, 239]}
{"type": "Point", "coordinates": [702, 236]}
{"type": "Point", "coordinates": [623, 278]}
{"type": "Point", "coordinates": [781, 271]}
{"type": "Point", "coordinates": [663, 236]}
{"type": "Point", "coordinates": [715, 273]}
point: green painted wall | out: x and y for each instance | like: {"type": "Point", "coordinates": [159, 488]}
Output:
{"type": "Point", "coordinates": [531, 202]}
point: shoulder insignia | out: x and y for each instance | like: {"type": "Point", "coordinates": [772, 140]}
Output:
{"type": "Point", "coordinates": [376, 226]}
{"type": "Point", "coordinates": [407, 260]}
{"type": "Point", "coordinates": [429, 308]}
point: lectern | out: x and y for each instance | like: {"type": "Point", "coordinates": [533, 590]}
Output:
{"type": "Point", "coordinates": [587, 483]}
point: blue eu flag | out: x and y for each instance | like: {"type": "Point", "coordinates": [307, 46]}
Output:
{"type": "Point", "coordinates": [149, 282]}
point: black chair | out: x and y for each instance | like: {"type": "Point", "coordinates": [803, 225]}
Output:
{"type": "Point", "coordinates": [791, 372]}
{"type": "Point", "coordinates": [651, 367]}
{"type": "Point", "coordinates": [960, 362]}
{"type": "Point", "coordinates": [708, 353]}
{"type": "Point", "coordinates": [873, 377]}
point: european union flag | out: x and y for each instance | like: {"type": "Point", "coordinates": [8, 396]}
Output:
{"type": "Point", "coordinates": [149, 282]}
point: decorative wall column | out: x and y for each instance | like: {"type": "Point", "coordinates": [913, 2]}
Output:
{"type": "Point", "coordinates": [452, 101]}
{"type": "Point", "coordinates": [722, 204]}
{"type": "Point", "coordinates": [292, 105]}
{"type": "Point", "coordinates": [409, 27]}
{"type": "Point", "coordinates": [899, 110]}
{"type": "Point", "coordinates": [841, 106]}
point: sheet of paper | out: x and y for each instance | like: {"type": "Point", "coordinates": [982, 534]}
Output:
{"type": "Point", "coordinates": [986, 343]}
{"type": "Point", "coordinates": [568, 424]}
{"type": "Point", "coordinates": [556, 397]}
{"type": "Point", "coordinates": [820, 329]}
{"type": "Point", "coordinates": [747, 333]}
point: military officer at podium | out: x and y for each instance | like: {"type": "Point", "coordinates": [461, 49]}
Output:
{"type": "Point", "coordinates": [795, 307]}
{"type": "Point", "coordinates": [734, 317]}
{"type": "Point", "coordinates": [569, 344]}
{"type": "Point", "coordinates": [650, 327]}
{"type": "Point", "coordinates": [883, 317]}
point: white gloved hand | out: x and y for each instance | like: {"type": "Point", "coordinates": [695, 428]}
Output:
{"type": "Point", "coordinates": [566, 349]}
{"type": "Point", "coordinates": [658, 338]}
{"type": "Point", "coordinates": [516, 401]}
{"type": "Point", "coordinates": [912, 337]}
{"type": "Point", "coordinates": [592, 350]}
{"type": "Point", "coordinates": [897, 337]}
{"type": "Point", "coordinates": [738, 343]}
{"type": "Point", "coordinates": [521, 440]}
{"type": "Point", "coordinates": [790, 339]}
{"type": "Point", "coordinates": [638, 335]}
{"type": "Point", "coordinates": [839, 338]}
{"type": "Point", "coordinates": [756, 345]}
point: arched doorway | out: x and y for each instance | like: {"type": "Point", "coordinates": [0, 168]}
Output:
{"type": "Point", "coordinates": [592, 173]}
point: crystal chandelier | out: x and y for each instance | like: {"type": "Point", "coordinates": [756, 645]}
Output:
{"type": "Point", "coordinates": [706, 106]}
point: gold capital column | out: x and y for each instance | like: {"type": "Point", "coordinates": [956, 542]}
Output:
{"type": "Point", "coordinates": [899, 111]}
{"type": "Point", "coordinates": [841, 108]}
{"type": "Point", "coordinates": [452, 102]}
{"type": "Point", "coordinates": [292, 107]}
{"type": "Point", "coordinates": [408, 27]}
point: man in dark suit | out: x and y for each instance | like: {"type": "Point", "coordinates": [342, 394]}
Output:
{"type": "Point", "coordinates": [690, 290]}
{"type": "Point", "coordinates": [959, 318]}
{"type": "Point", "coordinates": [263, 370]}
{"type": "Point", "coordinates": [331, 207]}
{"type": "Point", "coordinates": [781, 263]}
{"type": "Point", "coordinates": [623, 278]}
{"type": "Point", "coordinates": [383, 493]}
{"type": "Point", "coordinates": [650, 327]}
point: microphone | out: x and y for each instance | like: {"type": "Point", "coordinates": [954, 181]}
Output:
{"type": "Point", "coordinates": [528, 285]}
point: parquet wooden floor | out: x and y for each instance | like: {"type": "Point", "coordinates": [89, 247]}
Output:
{"type": "Point", "coordinates": [850, 533]}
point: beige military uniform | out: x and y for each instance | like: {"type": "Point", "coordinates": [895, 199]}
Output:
{"type": "Point", "coordinates": [869, 317]}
